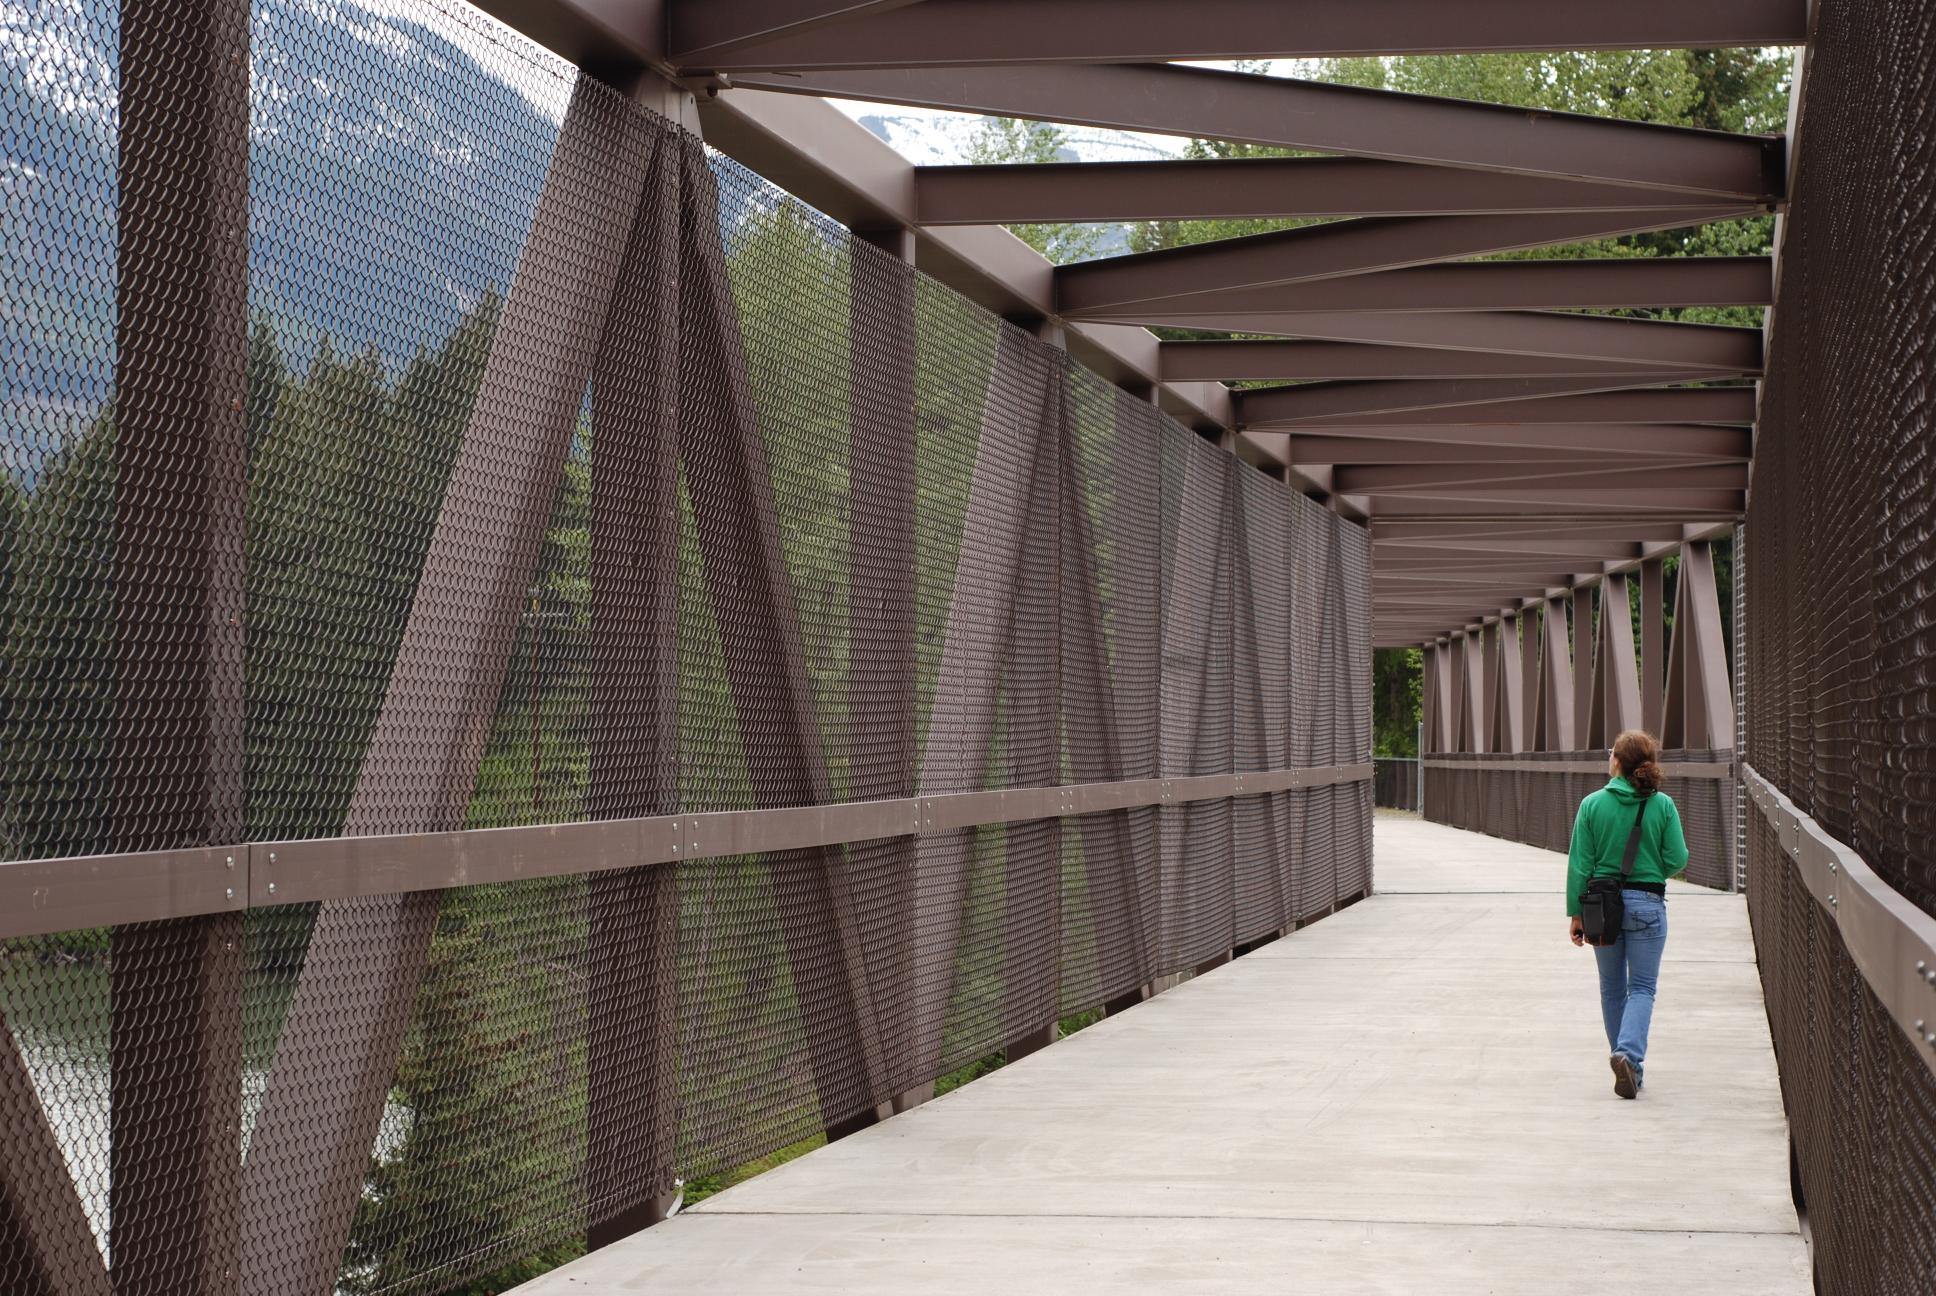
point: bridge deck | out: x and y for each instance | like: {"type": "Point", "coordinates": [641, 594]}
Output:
{"type": "Point", "coordinates": [1409, 1096]}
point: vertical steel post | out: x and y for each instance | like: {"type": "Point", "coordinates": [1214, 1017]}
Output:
{"type": "Point", "coordinates": [1584, 667]}
{"type": "Point", "coordinates": [180, 477]}
{"type": "Point", "coordinates": [1653, 663]}
{"type": "Point", "coordinates": [632, 914]}
{"type": "Point", "coordinates": [881, 618]}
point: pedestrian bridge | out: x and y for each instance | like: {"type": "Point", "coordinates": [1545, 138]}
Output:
{"type": "Point", "coordinates": [1410, 1096]}
{"type": "Point", "coordinates": [574, 624]}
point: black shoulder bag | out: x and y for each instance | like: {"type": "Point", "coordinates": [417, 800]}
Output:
{"type": "Point", "coordinates": [1601, 910]}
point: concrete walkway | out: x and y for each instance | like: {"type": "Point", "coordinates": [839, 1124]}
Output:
{"type": "Point", "coordinates": [1409, 1097]}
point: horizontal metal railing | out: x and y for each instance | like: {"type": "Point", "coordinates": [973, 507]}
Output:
{"type": "Point", "coordinates": [1892, 942]}
{"type": "Point", "coordinates": [40, 897]}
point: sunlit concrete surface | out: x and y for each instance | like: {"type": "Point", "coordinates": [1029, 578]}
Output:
{"type": "Point", "coordinates": [1410, 1096]}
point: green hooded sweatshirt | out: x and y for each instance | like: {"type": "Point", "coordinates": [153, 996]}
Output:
{"type": "Point", "coordinates": [1600, 839]}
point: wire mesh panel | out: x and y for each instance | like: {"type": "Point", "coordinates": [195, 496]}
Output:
{"type": "Point", "coordinates": [412, 442]}
{"type": "Point", "coordinates": [1837, 612]}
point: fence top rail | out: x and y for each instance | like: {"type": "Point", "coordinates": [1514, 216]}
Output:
{"type": "Point", "coordinates": [1673, 769]}
{"type": "Point", "coordinates": [1892, 942]}
{"type": "Point", "coordinates": [39, 897]}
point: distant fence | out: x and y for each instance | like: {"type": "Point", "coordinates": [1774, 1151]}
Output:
{"type": "Point", "coordinates": [1532, 797]}
{"type": "Point", "coordinates": [1395, 782]}
{"type": "Point", "coordinates": [536, 666]}
{"type": "Point", "coordinates": [1841, 660]}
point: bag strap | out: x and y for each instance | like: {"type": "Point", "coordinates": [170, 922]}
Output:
{"type": "Point", "coordinates": [1633, 839]}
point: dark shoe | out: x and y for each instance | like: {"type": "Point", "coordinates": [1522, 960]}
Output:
{"type": "Point", "coordinates": [1625, 1082]}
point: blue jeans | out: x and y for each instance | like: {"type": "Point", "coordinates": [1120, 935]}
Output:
{"type": "Point", "coordinates": [1630, 973]}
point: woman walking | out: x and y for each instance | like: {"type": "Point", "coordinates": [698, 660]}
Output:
{"type": "Point", "coordinates": [1627, 842]}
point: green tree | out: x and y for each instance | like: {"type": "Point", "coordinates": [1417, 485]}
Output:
{"type": "Point", "coordinates": [1395, 683]}
{"type": "Point", "coordinates": [1008, 140]}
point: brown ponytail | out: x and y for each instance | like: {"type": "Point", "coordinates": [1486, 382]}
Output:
{"type": "Point", "coordinates": [1639, 758]}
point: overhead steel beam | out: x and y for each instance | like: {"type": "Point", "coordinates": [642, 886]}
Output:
{"type": "Point", "coordinates": [1609, 283]}
{"type": "Point", "coordinates": [1342, 406]}
{"type": "Point", "coordinates": [711, 32]}
{"type": "Point", "coordinates": [1409, 444]}
{"type": "Point", "coordinates": [941, 33]}
{"type": "Point", "coordinates": [1585, 445]}
{"type": "Point", "coordinates": [1182, 276]}
{"type": "Point", "coordinates": [1417, 532]}
{"type": "Point", "coordinates": [1223, 189]}
{"type": "Point", "coordinates": [1561, 508]}
{"type": "Point", "coordinates": [1387, 478]}
{"type": "Point", "coordinates": [1167, 99]}
{"type": "Point", "coordinates": [1644, 342]}
{"type": "Point", "coordinates": [609, 37]}
{"type": "Point", "coordinates": [1286, 361]}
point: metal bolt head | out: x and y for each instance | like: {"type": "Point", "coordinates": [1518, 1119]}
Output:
{"type": "Point", "coordinates": [231, 893]}
{"type": "Point", "coordinates": [231, 864]}
{"type": "Point", "coordinates": [272, 888]}
{"type": "Point", "coordinates": [272, 857]}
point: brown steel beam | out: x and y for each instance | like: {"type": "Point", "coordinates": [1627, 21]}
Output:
{"type": "Point", "coordinates": [712, 32]}
{"type": "Point", "coordinates": [1485, 441]}
{"type": "Point", "coordinates": [1339, 451]}
{"type": "Point", "coordinates": [1387, 478]}
{"type": "Point", "coordinates": [1286, 361]}
{"type": "Point", "coordinates": [1493, 532]}
{"type": "Point", "coordinates": [1189, 276]}
{"type": "Point", "coordinates": [176, 776]}
{"type": "Point", "coordinates": [1585, 677]}
{"type": "Point", "coordinates": [613, 37]}
{"type": "Point", "coordinates": [1653, 675]}
{"type": "Point", "coordinates": [1205, 103]}
{"type": "Point", "coordinates": [1559, 506]}
{"type": "Point", "coordinates": [941, 33]}
{"type": "Point", "coordinates": [631, 915]}
{"type": "Point", "coordinates": [1222, 189]}
{"type": "Point", "coordinates": [1606, 284]}
{"type": "Point", "coordinates": [1649, 343]}
{"type": "Point", "coordinates": [1343, 407]}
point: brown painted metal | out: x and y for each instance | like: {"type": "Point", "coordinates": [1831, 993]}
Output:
{"type": "Point", "coordinates": [1340, 407]}
{"type": "Point", "coordinates": [881, 613]}
{"type": "Point", "coordinates": [1556, 727]}
{"type": "Point", "coordinates": [1620, 672]}
{"type": "Point", "coordinates": [730, 485]}
{"type": "Point", "coordinates": [1642, 342]}
{"type": "Point", "coordinates": [615, 37]}
{"type": "Point", "coordinates": [1392, 478]}
{"type": "Point", "coordinates": [1220, 189]}
{"type": "Point", "coordinates": [1200, 102]}
{"type": "Point", "coordinates": [1189, 278]}
{"type": "Point", "coordinates": [1700, 704]}
{"type": "Point", "coordinates": [326, 1088]}
{"type": "Point", "coordinates": [963, 713]}
{"type": "Point", "coordinates": [1474, 286]}
{"type": "Point", "coordinates": [45, 1240]}
{"type": "Point", "coordinates": [1482, 400]}
{"type": "Point", "coordinates": [1653, 644]}
{"type": "Point", "coordinates": [1457, 442]}
{"type": "Point", "coordinates": [1288, 361]}
{"type": "Point", "coordinates": [631, 1036]}
{"type": "Point", "coordinates": [711, 32]}
{"type": "Point", "coordinates": [958, 32]}
{"type": "Point", "coordinates": [175, 1049]}
{"type": "Point", "coordinates": [1032, 917]}
{"type": "Point", "coordinates": [1585, 678]}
